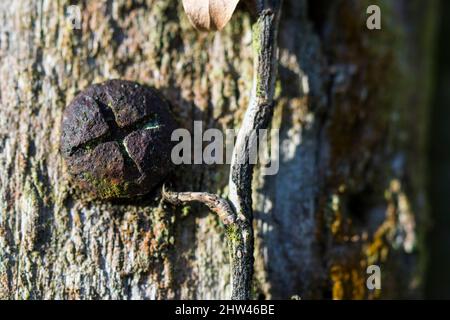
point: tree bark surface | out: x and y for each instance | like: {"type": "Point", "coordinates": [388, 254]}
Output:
{"type": "Point", "coordinates": [351, 106]}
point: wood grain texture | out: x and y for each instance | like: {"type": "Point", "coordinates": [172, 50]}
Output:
{"type": "Point", "coordinates": [350, 106]}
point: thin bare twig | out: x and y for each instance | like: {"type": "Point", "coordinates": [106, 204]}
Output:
{"type": "Point", "coordinates": [212, 201]}
{"type": "Point", "coordinates": [237, 214]}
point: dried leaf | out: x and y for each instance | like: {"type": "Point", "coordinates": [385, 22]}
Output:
{"type": "Point", "coordinates": [209, 15]}
{"type": "Point", "coordinates": [221, 12]}
{"type": "Point", "coordinates": [198, 13]}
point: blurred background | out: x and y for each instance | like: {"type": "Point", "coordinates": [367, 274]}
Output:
{"type": "Point", "coordinates": [438, 284]}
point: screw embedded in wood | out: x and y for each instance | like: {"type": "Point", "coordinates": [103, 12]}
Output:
{"type": "Point", "coordinates": [116, 139]}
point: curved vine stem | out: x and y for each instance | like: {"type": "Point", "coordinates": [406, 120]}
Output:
{"type": "Point", "coordinates": [237, 213]}
{"type": "Point", "coordinates": [215, 203]}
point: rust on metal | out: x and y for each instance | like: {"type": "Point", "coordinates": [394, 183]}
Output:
{"type": "Point", "coordinates": [116, 139]}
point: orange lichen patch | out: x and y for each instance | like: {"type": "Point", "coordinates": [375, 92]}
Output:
{"type": "Point", "coordinates": [341, 226]}
{"type": "Point", "coordinates": [358, 284]}
{"type": "Point", "coordinates": [338, 278]}
{"type": "Point", "coordinates": [377, 251]}
{"type": "Point", "coordinates": [146, 243]}
{"type": "Point", "coordinates": [348, 282]}
{"type": "Point", "coordinates": [399, 209]}
{"type": "Point", "coordinates": [73, 293]}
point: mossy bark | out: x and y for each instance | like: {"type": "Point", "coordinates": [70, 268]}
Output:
{"type": "Point", "coordinates": [351, 107]}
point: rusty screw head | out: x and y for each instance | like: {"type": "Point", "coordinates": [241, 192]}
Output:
{"type": "Point", "coordinates": [116, 139]}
